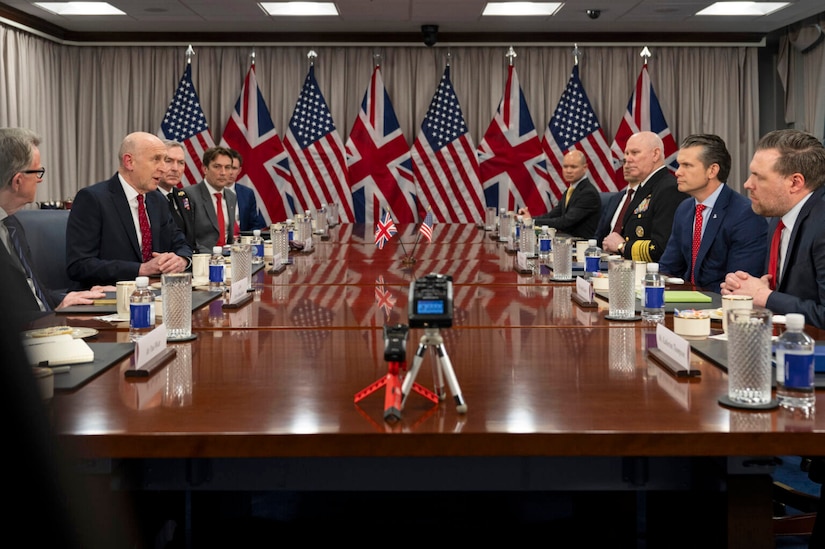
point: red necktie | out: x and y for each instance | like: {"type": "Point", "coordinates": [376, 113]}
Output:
{"type": "Point", "coordinates": [697, 240]}
{"type": "Point", "coordinates": [773, 262]}
{"type": "Point", "coordinates": [617, 228]}
{"type": "Point", "coordinates": [145, 230]}
{"type": "Point", "coordinates": [221, 222]}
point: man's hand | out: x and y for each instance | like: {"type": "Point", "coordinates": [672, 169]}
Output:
{"type": "Point", "coordinates": [611, 242]}
{"type": "Point", "coordinates": [163, 263]}
{"type": "Point", "coordinates": [741, 283]}
{"type": "Point", "coordinates": [81, 298]}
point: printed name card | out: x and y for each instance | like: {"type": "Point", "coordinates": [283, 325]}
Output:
{"type": "Point", "coordinates": [150, 346]}
{"type": "Point", "coordinates": [521, 262]}
{"type": "Point", "coordinates": [237, 291]}
{"type": "Point", "coordinates": [584, 289]}
{"type": "Point", "coordinates": [672, 352]}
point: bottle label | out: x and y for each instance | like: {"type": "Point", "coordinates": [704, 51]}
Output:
{"type": "Point", "coordinates": [258, 249]}
{"type": "Point", "coordinates": [544, 245]}
{"type": "Point", "coordinates": [140, 315]}
{"type": "Point", "coordinates": [654, 298]}
{"type": "Point", "coordinates": [591, 264]}
{"type": "Point", "coordinates": [216, 273]}
{"type": "Point", "coordinates": [799, 371]}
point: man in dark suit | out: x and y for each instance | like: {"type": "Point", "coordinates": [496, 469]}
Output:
{"type": "Point", "coordinates": [717, 232]}
{"type": "Point", "coordinates": [786, 183]}
{"type": "Point", "coordinates": [577, 213]}
{"type": "Point", "coordinates": [641, 230]}
{"type": "Point", "coordinates": [214, 206]}
{"type": "Point", "coordinates": [121, 228]}
{"type": "Point", "coordinates": [168, 186]}
{"type": "Point", "coordinates": [20, 166]}
{"type": "Point", "coordinates": [247, 213]}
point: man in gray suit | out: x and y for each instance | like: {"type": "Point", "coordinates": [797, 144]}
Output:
{"type": "Point", "coordinates": [214, 205]}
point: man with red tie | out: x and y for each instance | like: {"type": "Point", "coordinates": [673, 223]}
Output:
{"type": "Point", "coordinates": [214, 205]}
{"type": "Point", "coordinates": [786, 183]}
{"type": "Point", "coordinates": [121, 228]}
{"type": "Point", "coordinates": [716, 232]}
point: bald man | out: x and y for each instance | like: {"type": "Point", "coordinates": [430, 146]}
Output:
{"type": "Point", "coordinates": [578, 211]}
{"type": "Point", "coordinates": [641, 231]}
{"type": "Point", "coordinates": [120, 228]}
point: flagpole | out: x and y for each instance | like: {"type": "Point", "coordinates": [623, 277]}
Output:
{"type": "Point", "coordinates": [190, 51]}
{"type": "Point", "coordinates": [645, 54]}
{"type": "Point", "coordinates": [311, 55]}
{"type": "Point", "coordinates": [576, 54]}
{"type": "Point", "coordinates": [252, 56]}
{"type": "Point", "coordinates": [511, 55]}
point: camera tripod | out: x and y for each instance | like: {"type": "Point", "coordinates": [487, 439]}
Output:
{"type": "Point", "coordinates": [443, 368]}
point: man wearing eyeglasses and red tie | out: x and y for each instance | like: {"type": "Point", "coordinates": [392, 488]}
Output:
{"type": "Point", "coordinates": [786, 183]}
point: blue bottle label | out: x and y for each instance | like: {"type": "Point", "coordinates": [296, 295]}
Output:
{"type": "Point", "coordinates": [216, 273]}
{"type": "Point", "coordinates": [290, 235]}
{"type": "Point", "coordinates": [258, 249]}
{"type": "Point", "coordinates": [799, 371]}
{"type": "Point", "coordinates": [654, 298]}
{"type": "Point", "coordinates": [140, 315]}
{"type": "Point", "coordinates": [591, 264]}
{"type": "Point", "coordinates": [544, 245]}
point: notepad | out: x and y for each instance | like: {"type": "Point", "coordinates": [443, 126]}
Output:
{"type": "Point", "coordinates": [686, 296]}
{"type": "Point", "coordinates": [57, 350]}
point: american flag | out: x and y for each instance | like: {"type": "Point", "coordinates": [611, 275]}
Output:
{"type": "Point", "coordinates": [445, 162]}
{"type": "Point", "coordinates": [317, 158]}
{"type": "Point", "coordinates": [643, 114]}
{"type": "Point", "coordinates": [574, 126]}
{"type": "Point", "coordinates": [384, 230]}
{"type": "Point", "coordinates": [184, 122]}
{"type": "Point", "coordinates": [427, 227]}
{"type": "Point", "coordinates": [380, 168]}
{"type": "Point", "coordinates": [513, 166]}
{"type": "Point", "coordinates": [265, 169]}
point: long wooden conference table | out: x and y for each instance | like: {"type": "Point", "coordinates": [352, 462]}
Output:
{"type": "Point", "coordinates": [558, 397]}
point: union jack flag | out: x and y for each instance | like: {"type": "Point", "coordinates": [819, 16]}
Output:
{"type": "Point", "coordinates": [427, 226]}
{"type": "Point", "coordinates": [316, 153]}
{"type": "Point", "coordinates": [185, 122]}
{"type": "Point", "coordinates": [380, 168]}
{"type": "Point", "coordinates": [265, 169]}
{"type": "Point", "coordinates": [445, 162]}
{"type": "Point", "coordinates": [383, 297]}
{"type": "Point", "coordinates": [574, 126]}
{"type": "Point", "coordinates": [643, 114]}
{"type": "Point", "coordinates": [513, 166]}
{"type": "Point", "coordinates": [384, 230]}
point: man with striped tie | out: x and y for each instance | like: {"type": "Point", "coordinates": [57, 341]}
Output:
{"type": "Point", "coordinates": [21, 168]}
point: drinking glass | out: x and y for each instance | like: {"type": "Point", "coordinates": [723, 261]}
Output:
{"type": "Point", "coordinates": [489, 219]}
{"type": "Point", "coordinates": [621, 291]}
{"type": "Point", "coordinates": [562, 258]}
{"type": "Point", "coordinates": [241, 256]}
{"type": "Point", "coordinates": [176, 292]}
{"type": "Point", "coordinates": [749, 355]}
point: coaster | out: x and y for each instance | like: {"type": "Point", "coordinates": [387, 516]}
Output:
{"type": "Point", "coordinates": [623, 318]}
{"type": "Point", "coordinates": [725, 400]}
{"type": "Point", "coordinates": [554, 279]}
{"type": "Point", "coordinates": [181, 339]}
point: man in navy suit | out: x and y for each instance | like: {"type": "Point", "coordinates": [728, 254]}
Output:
{"type": "Point", "coordinates": [168, 186]}
{"type": "Point", "coordinates": [107, 237]}
{"type": "Point", "coordinates": [577, 213]}
{"type": "Point", "coordinates": [717, 232]}
{"type": "Point", "coordinates": [786, 183]}
{"type": "Point", "coordinates": [247, 213]}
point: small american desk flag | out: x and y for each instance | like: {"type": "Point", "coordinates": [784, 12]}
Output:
{"type": "Point", "coordinates": [427, 226]}
{"type": "Point", "coordinates": [384, 230]}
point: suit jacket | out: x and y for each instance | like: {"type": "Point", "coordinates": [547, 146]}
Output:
{"type": "Point", "coordinates": [183, 214]}
{"type": "Point", "coordinates": [18, 284]}
{"type": "Point", "coordinates": [607, 216]}
{"type": "Point", "coordinates": [249, 217]}
{"type": "Point", "coordinates": [580, 216]}
{"type": "Point", "coordinates": [206, 220]}
{"type": "Point", "coordinates": [649, 218]}
{"type": "Point", "coordinates": [734, 240]}
{"type": "Point", "coordinates": [802, 286]}
{"type": "Point", "coordinates": [101, 241]}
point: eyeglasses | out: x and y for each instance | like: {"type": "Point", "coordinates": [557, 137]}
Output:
{"type": "Point", "coordinates": [40, 173]}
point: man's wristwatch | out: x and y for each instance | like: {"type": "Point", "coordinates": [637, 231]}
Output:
{"type": "Point", "coordinates": [620, 248]}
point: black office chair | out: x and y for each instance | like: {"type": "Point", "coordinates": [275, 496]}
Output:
{"type": "Point", "coordinates": [809, 522]}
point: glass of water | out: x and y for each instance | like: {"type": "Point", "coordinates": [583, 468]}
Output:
{"type": "Point", "coordinates": [176, 292]}
{"type": "Point", "coordinates": [241, 257]}
{"type": "Point", "coordinates": [621, 291]}
{"type": "Point", "coordinates": [489, 219]}
{"type": "Point", "coordinates": [749, 355]}
{"type": "Point", "coordinates": [562, 258]}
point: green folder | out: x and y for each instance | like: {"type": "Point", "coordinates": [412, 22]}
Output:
{"type": "Point", "coordinates": [686, 296]}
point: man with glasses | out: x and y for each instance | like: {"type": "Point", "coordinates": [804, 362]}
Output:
{"type": "Point", "coordinates": [20, 167]}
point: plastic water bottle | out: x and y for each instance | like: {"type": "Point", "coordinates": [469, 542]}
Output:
{"type": "Point", "coordinates": [592, 259]}
{"type": "Point", "coordinates": [217, 270]}
{"type": "Point", "coordinates": [654, 295]}
{"type": "Point", "coordinates": [257, 247]}
{"type": "Point", "coordinates": [141, 309]}
{"type": "Point", "coordinates": [795, 366]}
{"type": "Point", "coordinates": [545, 245]}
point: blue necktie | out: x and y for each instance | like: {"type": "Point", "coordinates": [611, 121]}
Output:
{"type": "Point", "coordinates": [15, 241]}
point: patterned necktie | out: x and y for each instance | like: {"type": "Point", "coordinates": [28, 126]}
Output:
{"type": "Point", "coordinates": [567, 196]}
{"type": "Point", "coordinates": [145, 230]}
{"type": "Point", "coordinates": [773, 261]}
{"type": "Point", "coordinates": [697, 240]}
{"type": "Point", "coordinates": [221, 222]}
{"type": "Point", "coordinates": [617, 228]}
{"type": "Point", "coordinates": [18, 248]}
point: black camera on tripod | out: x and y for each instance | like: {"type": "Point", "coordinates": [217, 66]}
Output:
{"type": "Point", "coordinates": [431, 302]}
{"type": "Point", "coordinates": [395, 343]}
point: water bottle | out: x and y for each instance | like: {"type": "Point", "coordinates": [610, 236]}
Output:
{"type": "Point", "coordinates": [217, 270]}
{"type": "Point", "coordinates": [592, 259]}
{"type": "Point", "coordinates": [653, 287]}
{"type": "Point", "coordinates": [257, 247]}
{"type": "Point", "coordinates": [795, 366]}
{"type": "Point", "coordinates": [141, 309]}
{"type": "Point", "coordinates": [545, 245]}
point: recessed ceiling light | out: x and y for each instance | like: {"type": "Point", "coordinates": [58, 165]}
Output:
{"type": "Point", "coordinates": [299, 8]}
{"type": "Point", "coordinates": [743, 8]}
{"type": "Point", "coordinates": [79, 8]}
{"type": "Point", "coordinates": [521, 8]}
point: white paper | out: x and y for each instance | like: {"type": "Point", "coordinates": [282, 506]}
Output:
{"type": "Point", "coordinates": [57, 350]}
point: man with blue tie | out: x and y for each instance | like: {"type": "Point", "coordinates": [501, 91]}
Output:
{"type": "Point", "coordinates": [717, 232]}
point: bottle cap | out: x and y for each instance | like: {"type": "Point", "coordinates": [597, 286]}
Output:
{"type": "Point", "coordinates": [257, 232]}
{"type": "Point", "coordinates": [217, 250]}
{"type": "Point", "coordinates": [545, 228]}
{"type": "Point", "coordinates": [794, 321]}
{"type": "Point", "coordinates": [142, 281]}
{"type": "Point", "coordinates": [591, 243]}
{"type": "Point", "coordinates": [653, 267]}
